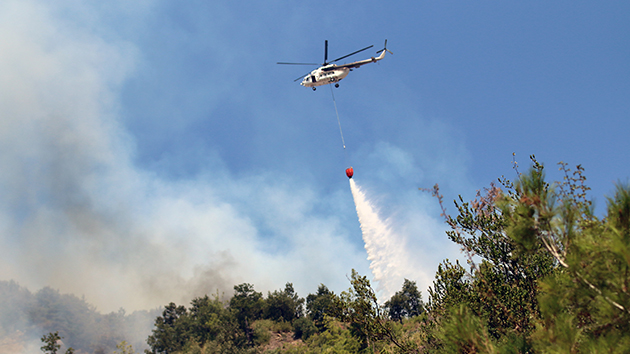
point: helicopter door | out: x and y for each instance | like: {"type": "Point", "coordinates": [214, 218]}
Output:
{"type": "Point", "coordinates": [313, 78]}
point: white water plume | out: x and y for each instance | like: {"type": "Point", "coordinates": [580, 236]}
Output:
{"type": "Point", "coordinates": [385, 249]}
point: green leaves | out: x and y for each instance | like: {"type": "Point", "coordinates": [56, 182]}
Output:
{"type": "Point", "coordinates": [543, 274]}
{"type": "Point", "coordinates": [368, 322]}
{"type": "Point", "coordinates": [172, 330]}
{"type": "Point", "coordinates": [52, 344]}
{"type": "Point", "coordinates": [216, 326]}
{"type": "Point", "coordinates": [321, 304]}
{"type": "Point", "coordinates": [449, 288]}
{"type": "Point", "coordinates": [463, 332]}
{"type": "Point", "coordinates": [405, 303]}
{"type": "Point", "coordinates": [283, 305]}
{"type": "Point", "coordinates": [584, 303]}
{"type": "Point", "coordinates": [247, 304]}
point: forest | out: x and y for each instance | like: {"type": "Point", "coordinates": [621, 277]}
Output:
{"type": "Point", "coordinates": [543, 274]}
{"type": "Point", "coordinates": [25, 316]}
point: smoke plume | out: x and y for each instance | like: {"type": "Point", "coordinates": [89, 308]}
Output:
{"type": "Point", "coordinates": [79, 215]}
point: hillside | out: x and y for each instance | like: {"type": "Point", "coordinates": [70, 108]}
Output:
{"type": "Point", "coordinates": [25, 317]}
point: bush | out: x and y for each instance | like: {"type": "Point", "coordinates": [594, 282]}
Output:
{"type": "Point", "coordinates": [304, 328]}
{"type": "Point", "coordinates": [262, 331]}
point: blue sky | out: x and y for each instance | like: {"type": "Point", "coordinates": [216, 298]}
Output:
{"type": "Point", "coordinates": [154, 151]}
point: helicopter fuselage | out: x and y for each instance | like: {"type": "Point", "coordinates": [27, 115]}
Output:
{"type": "Point", "coordinates": [329, 73]}
{"type": "Point", "coordinates": [325, 75]}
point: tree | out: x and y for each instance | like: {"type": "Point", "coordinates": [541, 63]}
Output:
{"type": "Point", "coordinates": [208, 323]}
{"type": "Point", "coordinates": [367, 319]}
{"type": "Point", "coordinates": [500, 286]}
{"type": "Point", "coordinates": [552, 277]}
{"type": "Point", "coordinates": [79, 323]}
{"type": "Point", "coordinates": [51, 344]}
{"type": "Point", "coordinates": [405, 303]}
{"type": "Point", "coordinates": [71, 316]}
{"type": "Point", "coordinates": [303, 328]}
{"type": "Point", "coordinates": [124, 348]}
{"type": "Point", "coordinates": [214, 325]}
{"type": "Point", "coordinates": [247, 305]}
{"type": "Point", "coordinates": [585, 304]}
{"type": "Point", "coordinates": [320, 305]}
{"type": "Point", "coordinates": [51, 341]}
{"type": "Point", "coordinates": [171, 330]}
{"type": "Point", "coordinates": [283, 305]}
{"type": "Point", "coordinates": [15, 302]}
{"type": "Point", "coordinates": [207, 317]}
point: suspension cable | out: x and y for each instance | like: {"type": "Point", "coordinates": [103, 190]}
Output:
{"type": "Point", "coordinates": [338, 121]}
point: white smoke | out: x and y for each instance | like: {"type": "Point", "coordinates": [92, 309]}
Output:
{"type": "Point", "coordinates": [76, 214]}
{"type": "Point", "coordinates": [79, 215]}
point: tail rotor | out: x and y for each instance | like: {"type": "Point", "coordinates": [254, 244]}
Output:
{"type": "Point", "coordinates": [385, 49]}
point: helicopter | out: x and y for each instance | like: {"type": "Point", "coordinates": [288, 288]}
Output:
{"type": "Point", "coordinates": [329, 73]}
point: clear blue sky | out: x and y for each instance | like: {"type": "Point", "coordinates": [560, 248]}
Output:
{"type": "Point", "coordinates": [153, 150]}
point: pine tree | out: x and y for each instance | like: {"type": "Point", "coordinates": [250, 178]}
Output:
{"type": "Point", "coordinates": [546, 275]}
{"type": "Point", "coordinates": [585, 304]}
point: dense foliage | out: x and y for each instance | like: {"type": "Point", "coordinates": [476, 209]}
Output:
{"type": "Point", "coordinates": [349, 323]}
{"type": "Point", "coordinates": [405, 303]}
{"type": "Point", "coordinates": [543, 274]}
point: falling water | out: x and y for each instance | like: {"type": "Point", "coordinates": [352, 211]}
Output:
{"type": "Point", "coordinates": [384, 250]}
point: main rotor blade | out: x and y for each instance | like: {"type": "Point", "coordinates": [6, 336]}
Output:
{"type": "Point", "coordinates": [325, 52]}
{"type": "Point", "coordinates": [297, 63]}
{"type": "Point", "coordinates": [353, 53]}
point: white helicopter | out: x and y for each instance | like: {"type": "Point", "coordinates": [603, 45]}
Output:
{"type": "Point", "coordinates": [329, 73]}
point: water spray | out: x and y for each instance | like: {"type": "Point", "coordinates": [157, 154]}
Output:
{"type": "Point", "coordinates": [383, 249]}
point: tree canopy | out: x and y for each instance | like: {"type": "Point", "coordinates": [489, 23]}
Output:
{"type": "Point", "coordinates": [543, 274]}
